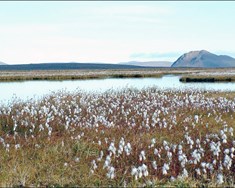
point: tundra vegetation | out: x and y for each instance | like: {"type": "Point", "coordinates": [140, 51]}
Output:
{"type": "Point", "coordinates": [213, 75]}
{"type": "Point", "coordinates": [207, 78]}
{"type": "Point", "coordinates": [90, 74]}
{"type": "Point", "coordinates": [216, 76]}
{"type": "Point", "coordinates": [130, 137]}
{"type": "Point", "coordinates": [187, 75]}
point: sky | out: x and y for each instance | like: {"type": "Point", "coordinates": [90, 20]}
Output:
{"type": "Point", "coordinates": [113, 31]}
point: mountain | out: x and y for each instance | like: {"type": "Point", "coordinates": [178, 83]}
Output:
{"type": "Point", "coordinates": [148, 63]}
{"type": "Point", "coordinates": [205, 59]}
{"type": "Point", "coordinates": [64, 66]}
{"type": "Point", "coordinates": [1, 63]}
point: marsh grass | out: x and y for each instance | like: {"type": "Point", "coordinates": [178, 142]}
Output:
{"type": "Point", "coordinates": [8, 76]}
{"type": "Point", "coordinates": [76, 74]}
{"type": "Point", "coordinates": [207, 78]}
{"type": "Point", "coordinates": [53, 142]}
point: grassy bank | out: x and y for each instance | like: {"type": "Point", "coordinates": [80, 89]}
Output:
{"type": "Point", "coordinates": [126, 138]}
{"type": "Point", "coordinates": [78, 76]}
{"type": "Point", "coordinates": [188, 74]}
{"type": "Point", "coordinates": [89, 74]}
{"type": "Point", "coordinates": [209, 78]}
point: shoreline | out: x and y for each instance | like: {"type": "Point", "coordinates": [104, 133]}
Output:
{"type": "Point", "coordinates": [188, 75]}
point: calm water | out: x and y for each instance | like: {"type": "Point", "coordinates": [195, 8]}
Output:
{"type": "Point", "coordinates": [36, 89]}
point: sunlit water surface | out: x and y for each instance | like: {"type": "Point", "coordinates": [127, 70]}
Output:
{"type": "Point", "coordinates": [26, 90]}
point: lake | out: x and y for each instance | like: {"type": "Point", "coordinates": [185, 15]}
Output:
{"type": "Point", "coordinates": [35, 89]}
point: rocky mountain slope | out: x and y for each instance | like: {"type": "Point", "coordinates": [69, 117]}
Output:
{"type": "Point", "coordinates": [1, 63]}
{"type": "Point", "coordinates": [205, 59]}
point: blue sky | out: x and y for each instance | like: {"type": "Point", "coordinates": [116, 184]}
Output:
{"type": "Point", "coordinates": [111, 32]}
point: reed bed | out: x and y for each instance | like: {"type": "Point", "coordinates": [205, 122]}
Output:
{"type": "Point", "coordinates": [147, 137]}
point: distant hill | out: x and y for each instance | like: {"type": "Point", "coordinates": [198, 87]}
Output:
{"type": "Point", "coordinates": [148, 63]}
{"type": "Point", "coordinates": [1, 63]}
{"type": "Point", "coordinates": [204, 59]}
{"type": "Point", "coordinates": [61, 66]}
